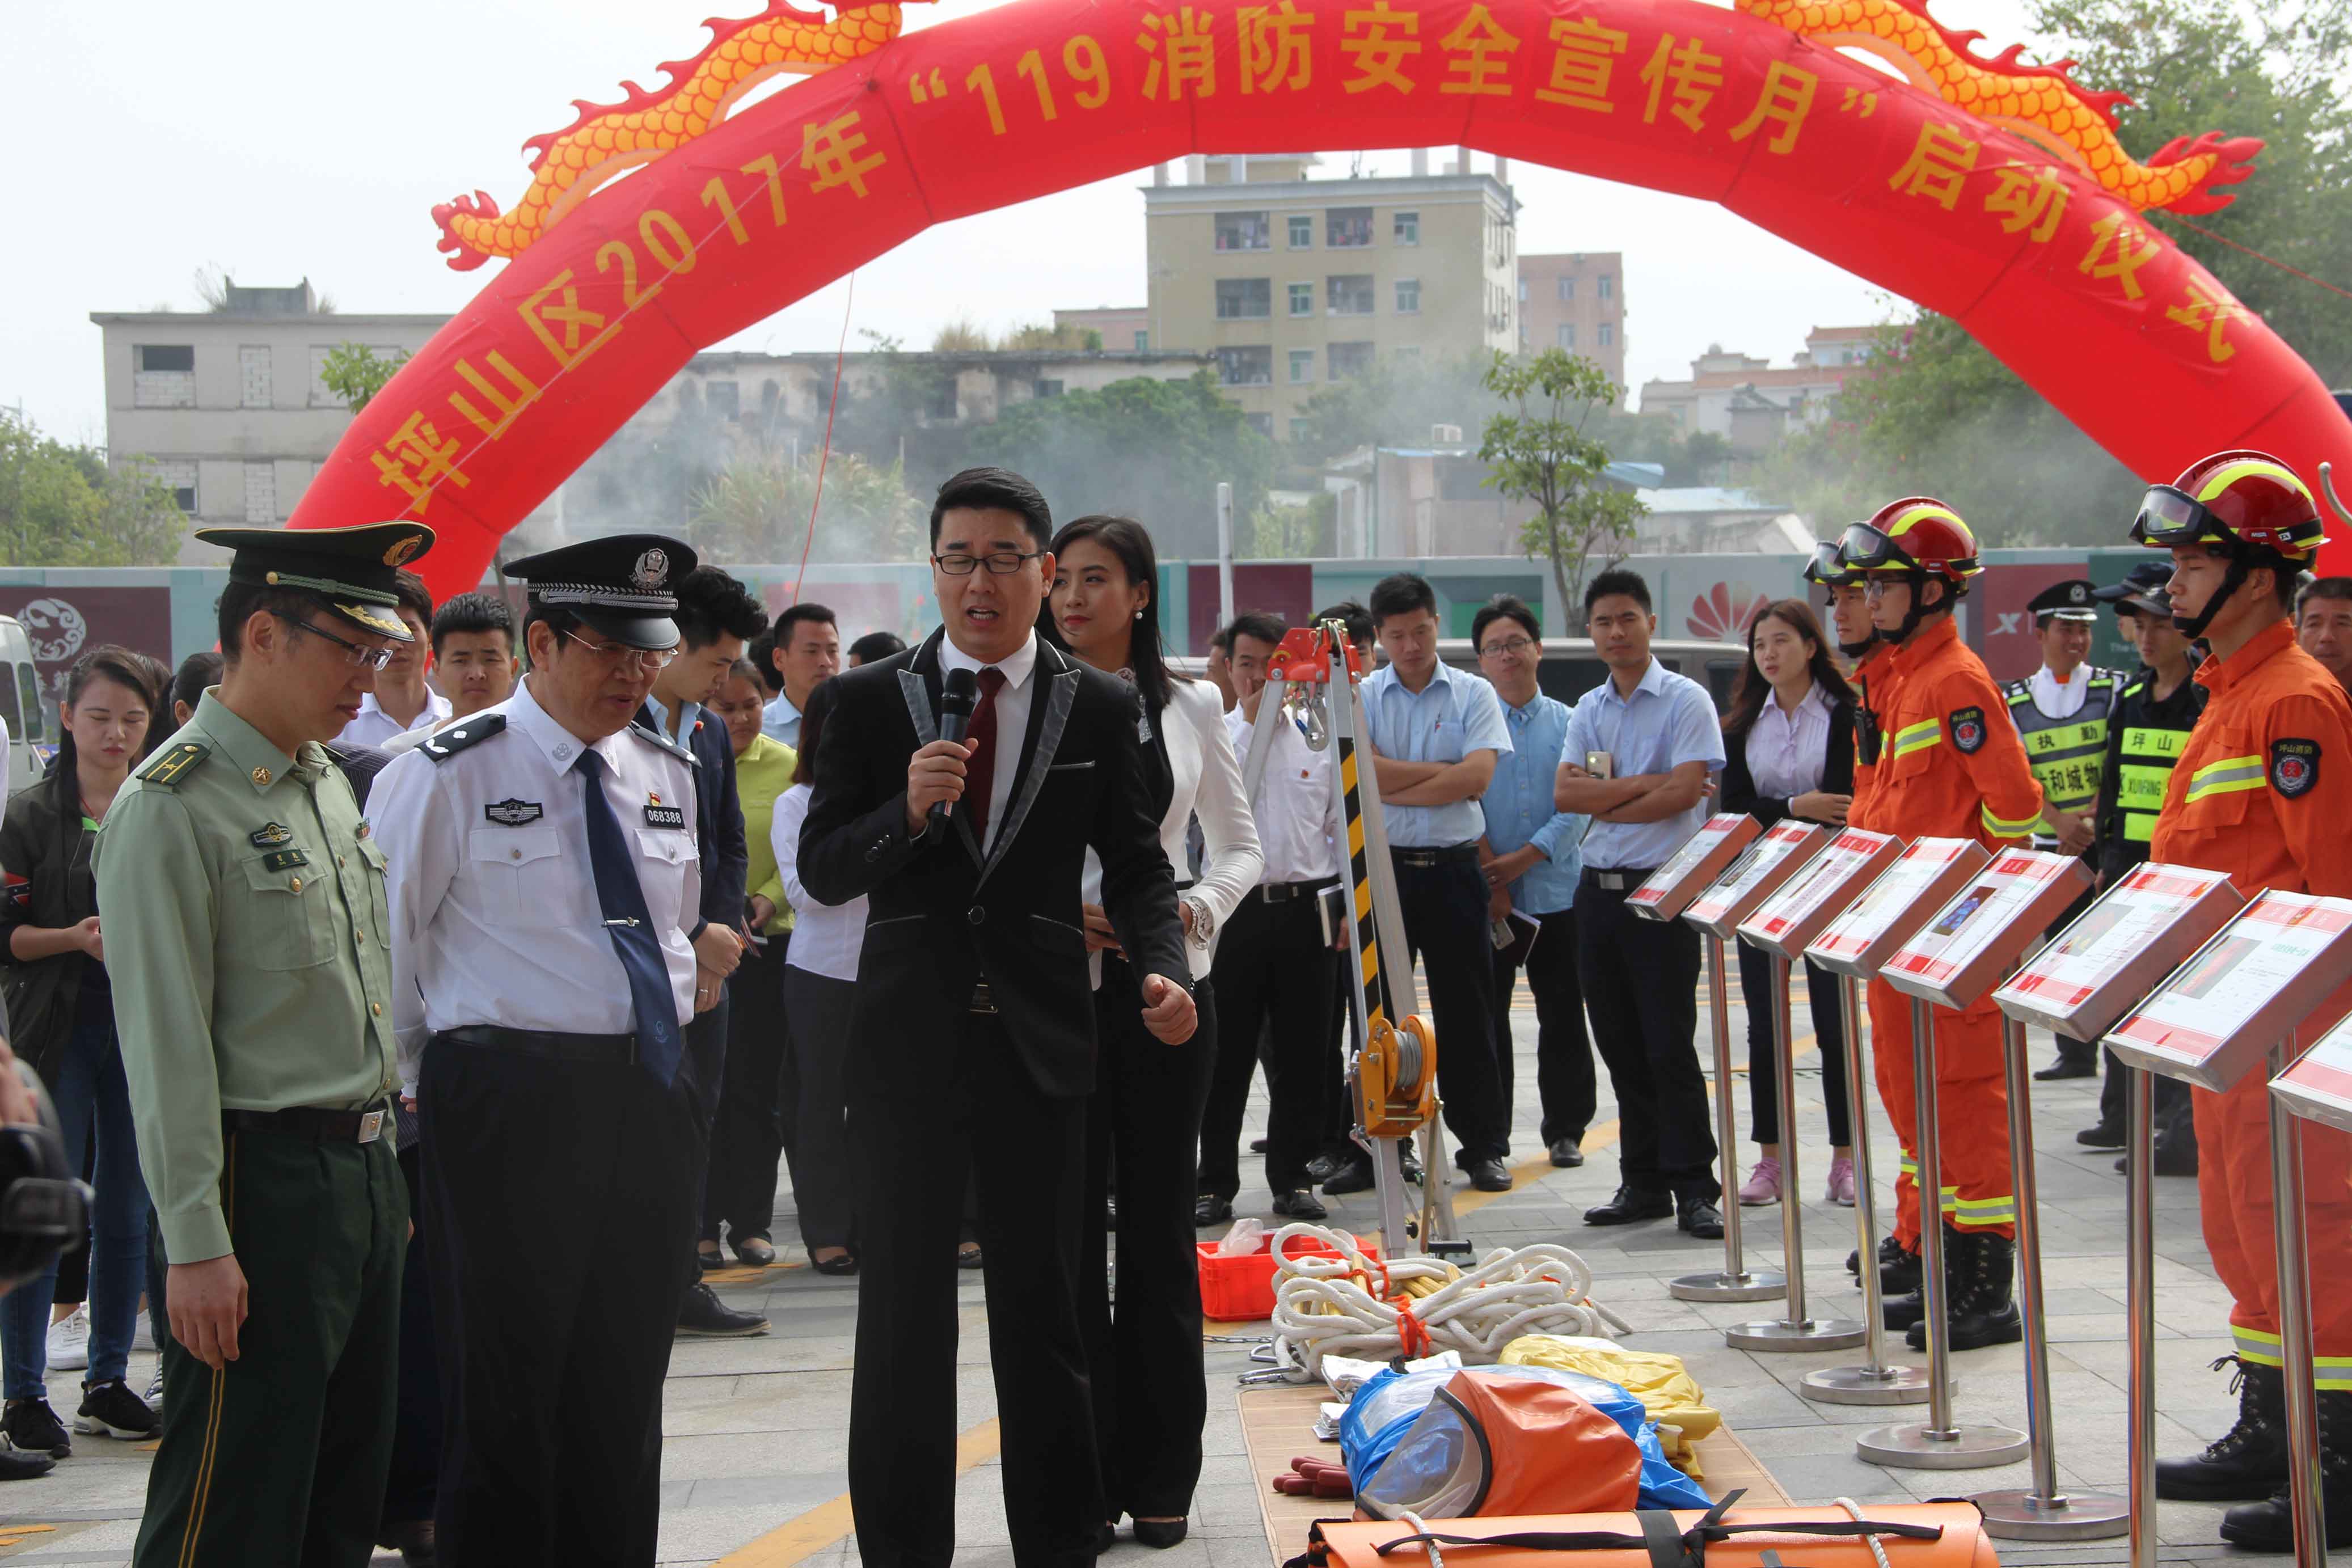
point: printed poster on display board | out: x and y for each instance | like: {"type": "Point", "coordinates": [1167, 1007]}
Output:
{"type": "Point", "coordinates": [1760, 869]}
{"type": "Point", "coordinates": [2138, 932]}
{"type": "Point", "coordinates": [2266, 974]}
{"type": "Point", "coordinates": [1917, 884]}
{"type": "Point", "coordinates": [1970, 943]}
{"type": "Point", "coordinates": [1799, 908]}
{"type": "Point", "coordinates": [1702, 858]}
{"type": "Point", "coordinates": [2318, 1087]}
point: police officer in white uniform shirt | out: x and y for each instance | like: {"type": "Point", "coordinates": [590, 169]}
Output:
{"type": "Point", "coordinates": [543, 875]}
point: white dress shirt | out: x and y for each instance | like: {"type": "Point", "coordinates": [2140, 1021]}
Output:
{"type": "Point", "coordinates": [827, 938]}
{"type": "Point", "coordinates": [1208, 783]}
{"type": "Point", "coordinates": [1296, 808]}
{"type": "Point", "coordinates": [373, 726]}
{"type": "Point", "coordinates": [1788, 753]}
{"type": "Point", "coordinates": [2056, 699]}
{"type": "Point", "coordinates": [494, 918]}
{"type": "Point", "coordinates": [1011, 719]}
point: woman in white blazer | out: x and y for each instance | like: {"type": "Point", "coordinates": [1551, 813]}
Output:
{"type": "Point", "coordinates": [1143, 1123]}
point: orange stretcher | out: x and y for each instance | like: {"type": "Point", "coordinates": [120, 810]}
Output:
{"type": "Point", "coordinates": [1911, 1536]}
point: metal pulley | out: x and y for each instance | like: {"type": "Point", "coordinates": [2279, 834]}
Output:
{"type": "Point", "coordinates": [1396, 1077]}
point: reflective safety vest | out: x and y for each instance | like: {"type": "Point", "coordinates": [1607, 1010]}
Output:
{"type": "Point", "coordinates": [2067, 755]}
{"type": "Point", "coordinates": [2149, 753]}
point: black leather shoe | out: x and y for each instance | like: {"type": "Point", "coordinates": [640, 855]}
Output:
{"type": "Point", "coordinates": [2172, 1159]}
{"type": "Point", "coordinates": [2248, 1462]}
{"type": "Point", "coordinates": [1159, 1534]}
{"type": "Point", "coordinates": [17, 1464]}
{"type": "Point", "coordinates": [2105, 1135]}
{"type": "Point", "coordinates": [1412, 1172]}
{"type": "Point", "coordinates": [1323, 1164]}
{"type": "Point", "coordinates": [1630, 1205]}
{"type": "Point", "coordinates": [1354, 1176]}
{"type": "Point", "coordinates": [2069, 1067]}
{"type": "Point", "coordinates": [705, 1316]}
{"type": "Point", "coordinates": [1568, 1153]}
{"type": "Point", "coordinates": [839, 1267]}
{"type": "Point", "coordinates": [1290, 1206]}
{"type": "Point", "coordinates": [1700, 1217]}
{"type": "Point", "coordinates": [714, 1259]}
{"type": "Point", "coordinates": [754, 1251]}
{"type": "Point", "coordinates": [1209, 1209]}
{"type": "Point", "coordinates": [1488, 1175]}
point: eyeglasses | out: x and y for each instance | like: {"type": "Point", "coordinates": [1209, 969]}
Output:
{"type": "Point", "coordinates": [1003, 563]}
{"type": "Point", "coordinates": [1506, 645]}
{"type": "Point", "coordinates": [363, 658]}
{"type": "Point", "coordinates": [623, 658]}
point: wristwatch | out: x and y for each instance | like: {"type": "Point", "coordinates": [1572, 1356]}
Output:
{"type": "Point", "coordinates": [1204, 925]}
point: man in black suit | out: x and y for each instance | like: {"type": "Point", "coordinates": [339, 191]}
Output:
{"type": "Point", "coordinates": [975, 1034]}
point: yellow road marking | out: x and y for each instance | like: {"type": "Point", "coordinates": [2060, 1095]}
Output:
{"type": "Point", "coordinates": [830, 1522]}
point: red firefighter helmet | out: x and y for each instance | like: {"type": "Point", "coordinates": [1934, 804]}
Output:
{"type": "Point", "coordinates": [1918, 534]}
{"type": "Point", "coordinates": [2243, 502]}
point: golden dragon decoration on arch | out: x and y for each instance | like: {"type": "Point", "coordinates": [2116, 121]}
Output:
{"type": "Point", "coordinates": [2042, 103]}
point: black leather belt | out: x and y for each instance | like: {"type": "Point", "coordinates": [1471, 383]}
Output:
{"type": "Point", "coordinates": [315, 1122]}
{"type": "Point", "coordinates": [554, 1045]}
{"type": "Point", "coordinates": [1284, 892]}
{"type": "Point", "coordinates": [1424, 859]}
{"type": "Point", "coordinates": [1617, 880]}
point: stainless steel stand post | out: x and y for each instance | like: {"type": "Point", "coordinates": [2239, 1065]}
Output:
{"type": "Point", "coordinates": [2139, 1275]}
{"type": "Point", "coordinates": [1796, 1330]}
{"type": "Point", "coordinates": [2041, 1512]}
{"type": "Point", "coordinates": [1734, 1281]}
{"type": "Point", "coordinates": [1873, 1382]}
{"type": "Point", "coordinates": [2292, 1243]}
{"type": "Point", "coordinates": [1942, 1444]}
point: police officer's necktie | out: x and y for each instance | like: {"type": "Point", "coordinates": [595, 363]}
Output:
{"type": "Point", "coordinates": [630, 925]}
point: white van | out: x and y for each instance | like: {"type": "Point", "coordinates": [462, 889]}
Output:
{"type": "Point", "coordinates": [32, 737]}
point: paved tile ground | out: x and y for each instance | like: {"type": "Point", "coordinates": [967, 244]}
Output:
{"type": "Point", "coordinates": [753, 1466]}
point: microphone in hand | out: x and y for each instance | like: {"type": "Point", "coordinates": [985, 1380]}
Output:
{"type": "Point", "coordinates": [959, 695]}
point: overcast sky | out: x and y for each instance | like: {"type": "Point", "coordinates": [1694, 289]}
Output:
{"type": "Point", "coordinates": [280, 140]}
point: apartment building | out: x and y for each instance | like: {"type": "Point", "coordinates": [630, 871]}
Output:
{"type": "Point", "coordinates": [1293, 282]}
{"type": "Point", "coordinates": [1751, 402]}
{"type": "Point", "coordinates": [1575, 300]}
{"type": "Point", "coordinates": [1126, 328]}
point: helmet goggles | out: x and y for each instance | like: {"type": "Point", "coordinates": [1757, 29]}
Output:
{"type": "Point", "coordinates": [1864, 548]}
{"type": "Point", "coordinates": [1829, 570]}
{"type": "Point", "coordinates": [2170, 517]}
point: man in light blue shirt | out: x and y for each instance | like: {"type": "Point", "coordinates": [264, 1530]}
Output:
{"type": "Point", "coordinates": [1660, 737]}
{"type": "Point", "coordinates": [1438, 733]}
{"type": "Point", "coordinates": [1532, 855]}
{"type": "Point", "coordinates": [804, 653]}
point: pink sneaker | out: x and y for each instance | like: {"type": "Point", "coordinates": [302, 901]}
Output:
{"type": "Point", "coordinates": [1763, 1184]}
{"type": "Point", "coordinates": [1841, 1180]}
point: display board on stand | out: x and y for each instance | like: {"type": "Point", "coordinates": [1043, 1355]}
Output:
{"type": "Point", "coordinates": [2268, 972]}
{"type": "Point", "coordinates": [1754, 875]}
{"type": "Point", "coordinates": [1920, 881]}
{"type": "Point", "coordinates": [2318, 1087]}
{"type": "Point", "coordinates": [1688, 872]}
{"type": "Point", "coordinates": [2110, 957]}
{"type": "Point", "coordinates": [1801, 908]}
{"type": "Point", "coordinates": [1973, 941]}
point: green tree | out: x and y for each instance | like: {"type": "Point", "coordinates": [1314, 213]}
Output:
{"type": "Point", "coordinates": [1399, 402]}
{"type": "Point", "coordinates": [1292, 531]}
{"type": "Point", "coordinates": [757, 513]}
{"type": "Point", "coordinates": [1537, 450]}
{"type": "Point", "coordinates": [65, 506]}
{"type": "Point", "coordinates": [1151, 450]}
{"type": "Point", "coordinates": [355, 372]}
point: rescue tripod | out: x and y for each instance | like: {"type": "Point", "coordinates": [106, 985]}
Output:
{"type": "Point", "coordinates": [1392, 1065]}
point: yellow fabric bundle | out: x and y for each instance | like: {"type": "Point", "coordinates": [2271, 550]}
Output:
{"type": "Point", "coordinates": [1671, 1395]}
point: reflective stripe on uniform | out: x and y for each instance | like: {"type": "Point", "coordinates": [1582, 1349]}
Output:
{"type": "Point", "coordinates": [1980, 1212]}
{"type": "Point", "coordinates": [2008, 828]}
{"type": "Point", "coordinates": [1918, 737]}
{"type": "Point", "coordinates": [2222, 777]}
{"type": "Point", "coordinates": [2331, 1373]}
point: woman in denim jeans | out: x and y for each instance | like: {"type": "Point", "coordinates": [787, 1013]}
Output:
{"type": "Point", "coordinates": [53, 966]}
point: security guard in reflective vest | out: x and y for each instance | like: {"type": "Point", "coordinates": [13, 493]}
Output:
{"type": "Point", "coordinates": [2262, 791]}
{"type": "Point", "coordinates": [249, 950]}
{"type": "Point", "coordinates": [2153, 717]}
{"type": "Point", "coordinates": [1952, 768]}
{"type": "Point", "coordinates": [2061, 712]}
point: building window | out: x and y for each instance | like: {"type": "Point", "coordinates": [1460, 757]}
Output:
{"type": "Point", "coordinates": [1302, 231]}
{"type": "Point", "coordinates": [1043, 387]}
{"type": "Point", "coordinates": [1244, 231]}
{"type": "Point", "coordinates": [1608, 286]}
{"type": "Point", "coordinates": [1407, 228]}
{"type": "Point", "coordinates": [1608, 333]}
{"type": "Point", "coordinates": [260, 492]}
{"type": "Point", "coordinates": [1302, 299]}
{"type": "Point", "coordinates": [1247, 367]}
{"type": "Point", "coordinates": [1143, 342]}
{"type": "Point", "coordinates": [1351, 360]}
{"type": "Point", "coordinates": [1349, 295]}
{"type": "Point", "coordinates": [724, 399]}
{"type": "Point", "coordinates": [1566, 290]}
{"type": "Point", "coordinates": [177, 475]}
{"type": "Point", "coordinates": [944, 403]}
{"type": "Point", "coordinates": [253, 376]}
{"type": "Point", "coordinates": [1567, 334]}
{"type": "Point", "coordinates": [1523, 291]}
{"type": "Point", "coordinates": [164, 375]}
{"type": "Point", "coordinates": [1245, 299]}
{"type": "Point", "coordinates": [1261, 422]}
{"type": "Point", "coordinates": [1408, 296]}
{"type": "Point", "coordinates": [1302, 365]}
{"type": "Point", "coordinates": [1301, 429]}
{"type": "Point", "coordinates": [1347, 228]}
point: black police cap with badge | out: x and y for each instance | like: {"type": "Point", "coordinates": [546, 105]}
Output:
{"type": "Point", "coordinates": [622, 585]}
{"type": "Point", "coordinates": [352, 571]}
{"type": "Point", "coordinates": [2067, 601]}
{"type": "Point", "coordinates": [2143, 591]}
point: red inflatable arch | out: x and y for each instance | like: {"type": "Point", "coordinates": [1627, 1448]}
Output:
{"type": "Point", "coordinates": [2051, 270]}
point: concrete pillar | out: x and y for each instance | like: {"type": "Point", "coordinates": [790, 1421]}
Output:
{"type": "Point", "coordinates": [1503, 169]}
{"type": "Point", "coordinates": [1238, 166]}
{"type": "Point", "coordinates": [1462, 161]}
{"type": "Point", "coordinates": [1159, 173]}
{"type": "Point", "coordinates": [1420, 162]}
{"type": "Point", "coordinates": [1196, 169]}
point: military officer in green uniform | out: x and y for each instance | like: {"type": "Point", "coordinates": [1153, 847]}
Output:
{"type": "Point", "coordinates": [248, 943]}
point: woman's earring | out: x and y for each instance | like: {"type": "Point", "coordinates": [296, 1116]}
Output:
{"type": "Point", "coordinates": [1139, 615]}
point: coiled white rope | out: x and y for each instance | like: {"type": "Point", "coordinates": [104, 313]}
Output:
{"type": "Point", "coordinates": [1343, 1305]}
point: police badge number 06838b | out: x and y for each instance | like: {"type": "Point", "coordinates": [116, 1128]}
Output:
{"type": "Point", "coordinates": [2295, 766]}
{"type": "Point", "coordinates": [1968, 729]}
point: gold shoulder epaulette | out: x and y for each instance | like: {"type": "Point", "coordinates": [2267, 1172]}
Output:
{"type": "Point", "coordinates": [172, 764]}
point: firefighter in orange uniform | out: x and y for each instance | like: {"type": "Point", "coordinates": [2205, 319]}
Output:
{"type": "Point", "coordinates": [1950, 766]}
{"type": "Point", "coordinates": [2262, 791]}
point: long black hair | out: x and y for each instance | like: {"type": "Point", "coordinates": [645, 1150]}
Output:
{"type": "Point", "coordinates": [1126, 539]}
{"type": "Point", "coordinates": [126, 669]}
{"type": "Point", "coordinates": [1748, 698]}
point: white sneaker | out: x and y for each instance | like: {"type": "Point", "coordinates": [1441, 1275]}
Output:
{"type": "Point", "coordinates": [156, 1393]}
{"type": "Point", "coordinates": [145, 1338]}
{"type": "Point", "coordinates": [69, 1341]}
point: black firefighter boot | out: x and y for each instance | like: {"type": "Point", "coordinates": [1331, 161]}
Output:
{"type": "Point", "coordinates": [1982, 1309]}
{"type": "Point", "coordinates": [1902, 1311]}
{"type": "Point", "coordinates": [2246, 1463]}
{"type": "Point", "coordinates": [2268, 1526]}
{"type": "Point", "coordinates": [1898, 1268]}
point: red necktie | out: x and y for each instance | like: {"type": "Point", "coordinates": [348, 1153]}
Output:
{"type": "Point", "coordinates": [980, 769]}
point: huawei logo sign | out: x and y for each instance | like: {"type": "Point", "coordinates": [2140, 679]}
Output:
{"type": "Point", "coordinates": [1719, 616]}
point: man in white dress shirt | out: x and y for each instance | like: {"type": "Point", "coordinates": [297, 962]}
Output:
{"type": "Point", "coordinates": [402, 700]}
{"type": "Point", "coordinates": [543, 877]}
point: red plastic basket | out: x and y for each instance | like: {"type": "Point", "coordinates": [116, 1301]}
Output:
{"type": "Point", "coordinates": [1241, 1289]}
